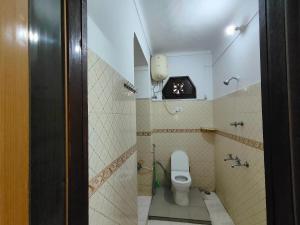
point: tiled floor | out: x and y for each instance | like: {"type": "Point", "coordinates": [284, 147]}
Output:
{"type": "Point", "coordinates": [163, 207]}
{"type": "Point", "coordinates": [218, 214]}
{"type": "Point", "coordinates": [143, 209]}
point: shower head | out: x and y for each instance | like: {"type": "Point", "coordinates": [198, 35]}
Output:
{"type": "Point", "coordinates": [226, 82]}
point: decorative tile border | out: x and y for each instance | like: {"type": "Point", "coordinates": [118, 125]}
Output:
{"type": "Point", "coordinates": [176, 130]}
{"type": "Point", "coordinates": [96, 182]}
{"type": "Point", "coordinates": [207, 130]}
{"type": "Point", "coordinates": [246, 141]}
{"type": "Point", "coordinates": [144, 133]}
{"type": "Point", "coordinates": [157, 131]}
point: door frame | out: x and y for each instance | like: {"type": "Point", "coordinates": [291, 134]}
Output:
{"type": "Point", "coordinates": [279, 40]}
{"type": "Point", "coordinates": [279, 43]}
{"type": "Point", "coordinates": [76, 20]}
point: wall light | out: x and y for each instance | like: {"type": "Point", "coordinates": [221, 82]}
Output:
{"type": "Point", "coordinates": [231, 29]}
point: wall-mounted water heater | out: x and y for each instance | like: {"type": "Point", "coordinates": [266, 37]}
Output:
{"type": "Point", "coordinates": [159, 67]}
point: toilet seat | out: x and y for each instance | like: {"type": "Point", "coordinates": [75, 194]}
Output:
{"type": "Point", "coordinates": [181, 183]}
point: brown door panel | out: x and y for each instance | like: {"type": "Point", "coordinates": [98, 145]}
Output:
{"type": "Point", "coordinates": [14, 113]}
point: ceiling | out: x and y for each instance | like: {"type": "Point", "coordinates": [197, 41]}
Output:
{"type": "Point", "coordinates": [186, 25]}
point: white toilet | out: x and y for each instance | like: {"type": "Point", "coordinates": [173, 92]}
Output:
{"type": "Point", "coordinates": [180, 177]}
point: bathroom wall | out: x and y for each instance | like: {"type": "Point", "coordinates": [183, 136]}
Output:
{"type": "Point", "coordinates": [240, 57]}
{"type": "Point", "coordinates": [142, 80]}
{"type": "Point", "coordinates": [181, 132]}
{"type": "Point", "coordinates": [113, 41]}
{"type": "Point", "coordinates": [241, 190]}
{"type": "Point", "coordinates": [176, 132]}
{"type": "Point", "coordinates": [112, 151]}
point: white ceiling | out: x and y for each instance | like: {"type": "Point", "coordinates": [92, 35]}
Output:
{"type": "Point", "coordinates": [186, 25]}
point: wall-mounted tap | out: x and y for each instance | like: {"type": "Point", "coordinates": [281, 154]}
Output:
{"type": "Point", "coordinates": [230, 157]}
{"type": "Point", "coordinates": [239, 164]}
{"type": "Point", "coordinates": [235, 123]}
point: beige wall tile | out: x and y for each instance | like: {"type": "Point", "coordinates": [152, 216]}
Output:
{"type": "Point", "coordinates": [145, 190]}
{"type": "Point", "coordinates": [195, 114]}
{"type": "Point", "coordinates": [112, 131]}
{"type": "Point", "coordinates": [200, 149]}
{"type": "Point", "coordinates": [145, 155]}
{"type": "Point", "coordinates": [243, 105]}
{"type": "Point", "coordinates": [144, 146]}
{"type": "Point", "coordinates": [143, 110]}
{"type": "Point", "coordinates": [115, 202]}
{"type": "Point", "coordinates": [242, 190]}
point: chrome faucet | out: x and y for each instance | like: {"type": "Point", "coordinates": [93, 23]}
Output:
{"type": "Point", "coordinates": [235, 123]}
{"type": "Point", "coordinates": [230, 157]}
{"type": "Point", "coordinates": [238, 163]}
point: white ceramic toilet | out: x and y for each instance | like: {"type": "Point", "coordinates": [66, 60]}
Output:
{"type": "Point", "coordinates": [180, 177]}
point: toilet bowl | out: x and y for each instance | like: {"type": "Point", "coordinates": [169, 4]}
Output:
{"type": "Point", "coordinates": [180, 177]}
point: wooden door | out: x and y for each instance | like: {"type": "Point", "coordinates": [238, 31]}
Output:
{"type": "Point", "coordinates": [14, 113]}
{"type": "Point", "coordinates": [43, 166]}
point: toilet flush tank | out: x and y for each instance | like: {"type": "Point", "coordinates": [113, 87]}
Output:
{"type": "Point", "coordinates": [159, 67]}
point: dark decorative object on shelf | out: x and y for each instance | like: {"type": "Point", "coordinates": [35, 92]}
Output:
{"type": "Point", "coordinates": [179, 88]}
